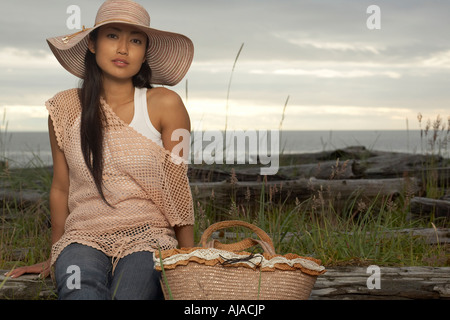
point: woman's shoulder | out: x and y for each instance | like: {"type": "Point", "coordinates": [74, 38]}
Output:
{"type": "Point", "coordinates": [167, 108]}
{"type": "Point", "coordinates": [163, 97]}
{"type": "Point", "coordinates": [164, 103]}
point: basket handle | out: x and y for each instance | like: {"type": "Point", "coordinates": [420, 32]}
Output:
{"type": "Point", "coordinates": [265, 242]}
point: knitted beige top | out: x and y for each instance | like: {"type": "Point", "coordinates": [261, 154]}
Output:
{"type": "Point", "coordinates": [148, 189]}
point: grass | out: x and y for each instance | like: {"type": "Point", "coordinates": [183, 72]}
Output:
{"type": "Point", "coordinates": [164, 274]}
{"type": "Point", "coordinates": [25, 234]}
{"type": "Point", "coordinates": [229, 84]}
{"type": "Point", "coordinates": [358, 232]}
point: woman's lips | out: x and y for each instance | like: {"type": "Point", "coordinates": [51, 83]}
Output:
{"type": "Point", "coordinates": [120, 62]}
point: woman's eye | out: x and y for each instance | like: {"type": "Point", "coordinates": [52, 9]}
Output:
{"type": "Point", "coordinates": [137, 41]}
{"type": "Point", "coordinates": [112, 36]}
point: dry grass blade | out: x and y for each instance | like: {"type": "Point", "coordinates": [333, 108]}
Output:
{"type": "Point", "coordinates": [229, 84]}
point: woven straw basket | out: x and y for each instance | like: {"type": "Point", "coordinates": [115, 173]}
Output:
{"type": "Point", "coordinates": [218, 271]}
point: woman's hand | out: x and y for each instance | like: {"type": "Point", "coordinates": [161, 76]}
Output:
{"type": "Point", "coordinates": [42, 268]}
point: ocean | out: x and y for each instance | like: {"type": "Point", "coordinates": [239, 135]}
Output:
{"type": "Point", "coordinates": [22, 149]}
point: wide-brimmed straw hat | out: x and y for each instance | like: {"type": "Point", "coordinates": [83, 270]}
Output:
{"type": "Point", "coordinates": [169, 54]}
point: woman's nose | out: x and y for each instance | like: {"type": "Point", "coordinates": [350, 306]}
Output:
{"type": "Point", "coordinates": [122, 47]}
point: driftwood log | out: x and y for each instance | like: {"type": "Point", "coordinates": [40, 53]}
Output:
{"type": "Point", "coordinates": [380, 166]}
{"type": "Point", "coordinates": [429, 235]}
{"type": "Point", "coordinates": [26, 287]}
{"type": "Point", "coordinates": [424, 206]}
{"type": "Point", "coordinates": [339, 283]}
{"type": "Point", "coordinates": [351, 283]}
{"type": "Point", "coordinates": [22, 197]}
{"type": "Point", "coordinates": [342, 173]}
{"type": "Point", "coordinates": [303, 189]}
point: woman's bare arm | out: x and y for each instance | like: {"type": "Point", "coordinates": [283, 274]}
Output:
{"type": "Point", "coordinates": [174, 116]}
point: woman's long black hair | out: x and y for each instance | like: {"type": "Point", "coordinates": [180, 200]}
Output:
{"type": "Point", "coordinates": [92, 114]}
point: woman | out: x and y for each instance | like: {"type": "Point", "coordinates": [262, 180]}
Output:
{"type": "Point", "coordinates": [117, 194]}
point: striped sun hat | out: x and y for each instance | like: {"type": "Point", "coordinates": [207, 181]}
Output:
{"type": "Point", "coordinates": [169, 54]}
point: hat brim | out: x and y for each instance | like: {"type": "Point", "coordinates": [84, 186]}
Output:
{"type": "Point", "coordinates": [169, 54]}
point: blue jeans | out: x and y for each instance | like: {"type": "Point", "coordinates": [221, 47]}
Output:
{"type": "Point", "coordinates": [85, 273]}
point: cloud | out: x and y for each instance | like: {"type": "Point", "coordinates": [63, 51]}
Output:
{"type": "Point", "coordinates": [332, 45]}
{"type": "Point", "coordinates": [16, 58]}
{"type": "Point", "coordinates": [323, 69]}
{"type": "Point", "coordinates": [347, 117]}
{"type": "Point", "coordinates": [350, 111]}
{"type": "Point", "coordinates": [210, 114]}
{"type": "Point", "coordinates": [24, 118]}
{"type": "Point", "coordinates": [330, 73]}
{"type": "Point", "coordinates": [438, 59]}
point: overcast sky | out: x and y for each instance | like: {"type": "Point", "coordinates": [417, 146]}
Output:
{"type": "Point", "coordinates": [338, 73]}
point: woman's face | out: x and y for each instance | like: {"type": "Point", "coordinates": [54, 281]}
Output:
{"type": "Point", "coordinates": [120, 50]}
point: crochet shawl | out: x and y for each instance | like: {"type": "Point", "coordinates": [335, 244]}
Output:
{"type": "Point", "coordinates": [146, 184]}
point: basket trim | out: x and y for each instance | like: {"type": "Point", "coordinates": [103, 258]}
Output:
{"type": "Point", "coordinates": [211, 256]}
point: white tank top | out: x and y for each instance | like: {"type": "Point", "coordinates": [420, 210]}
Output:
{"type": "Point", "coordinates": [141, 120]}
